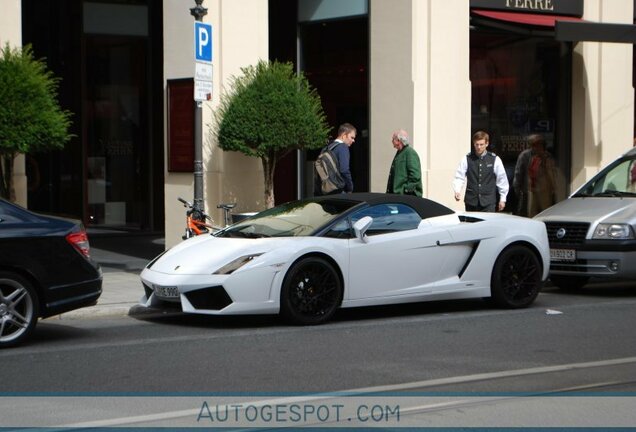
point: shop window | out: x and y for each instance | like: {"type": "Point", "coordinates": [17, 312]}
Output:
{"type": "Point", "coordinates": [520, 86]}
{"type": "Point", "coordinates": [116, 125]}
{"type": "Point", "coordinates": [334, 56]}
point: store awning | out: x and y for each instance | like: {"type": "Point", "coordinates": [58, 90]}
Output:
{"type": "Point", "coordinates": [566, 28]}
{"type": "Point", "coordinates": [540, 20]}
{"type": "Point", "coordinates": [595, 32]}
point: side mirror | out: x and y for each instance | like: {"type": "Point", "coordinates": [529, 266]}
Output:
{"type": "Point", "coordinates": [361, 227]}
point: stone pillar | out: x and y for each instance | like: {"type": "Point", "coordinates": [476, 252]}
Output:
{"type": "Point", "coordinates": [602, 95]}
{"type": "Point", "coordinates": [419, 74]}
{"type": "Point", "coordinates": [240, 38]}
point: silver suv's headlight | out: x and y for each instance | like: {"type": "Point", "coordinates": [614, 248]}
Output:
{"type": "Point", "coordinates": [613, 232]}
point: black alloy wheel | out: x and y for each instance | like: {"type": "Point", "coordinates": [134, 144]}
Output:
{"type": "Point", "coordinates": [18, 309]}
{"type": "Point", "coordinates": [516, 278]}
{"type": "Point", "coordinates": [311, 292]}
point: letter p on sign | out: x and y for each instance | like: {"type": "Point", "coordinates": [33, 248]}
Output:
{"type": "Point", "coordinates": [202, 42]}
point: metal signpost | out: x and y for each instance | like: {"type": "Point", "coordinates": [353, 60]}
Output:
{"type": "Point", "coordinates": [203, 61]}
{"type": "Point", "coordinates": [202, 92]}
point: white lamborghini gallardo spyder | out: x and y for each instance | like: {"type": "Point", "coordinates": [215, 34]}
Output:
{"type": "Point", "coordinates": [305, 259]}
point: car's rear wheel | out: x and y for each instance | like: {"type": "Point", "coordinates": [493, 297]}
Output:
{"type": "Point", "coordinates": [311, 293]}
{"type": "Point", "coordinates": [18, 309]}
{"type": "Point", "coordinates": [571, 283]}
{"type": "Point", "coordinates": [516, 278]}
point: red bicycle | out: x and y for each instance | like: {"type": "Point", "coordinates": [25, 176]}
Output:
{"type": "Point", "coordinates": [198, 222]}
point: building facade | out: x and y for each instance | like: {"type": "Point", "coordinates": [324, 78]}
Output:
{"type": "Point", "coordinates": [438, 69]}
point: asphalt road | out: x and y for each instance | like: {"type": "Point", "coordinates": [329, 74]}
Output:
{"type": "Point", "coordinates": [567, 342]}
{"type": "Point", "coordinates": [361, 348]}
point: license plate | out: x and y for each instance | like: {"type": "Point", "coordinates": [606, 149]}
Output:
{"type": "Point", "coordinates": [562, 255]}
{"type": "Point", "coordinates": [166, 292]}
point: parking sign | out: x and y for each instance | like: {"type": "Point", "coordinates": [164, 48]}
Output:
{"type": "Point", "coordinates": [202, 42]}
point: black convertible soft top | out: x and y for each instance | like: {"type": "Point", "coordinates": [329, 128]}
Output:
{"type": "Point", "coordinates": [423, 206]}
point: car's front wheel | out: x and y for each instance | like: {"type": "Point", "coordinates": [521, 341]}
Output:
{"type": "Point", "coordinates": [516, 278]}
{"type": "Point", "coordinates": [571, 283]}
{"type": "Point", "coordinates": [311, 292]}
{"type": "Point", "coordinates": [18, 309]}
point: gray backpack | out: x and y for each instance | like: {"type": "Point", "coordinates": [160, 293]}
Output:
{"type": "Point", "coordinates": [327, 169]}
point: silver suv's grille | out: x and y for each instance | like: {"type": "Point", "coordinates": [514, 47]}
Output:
{"type": "Point", "coordinates": [566, 233]}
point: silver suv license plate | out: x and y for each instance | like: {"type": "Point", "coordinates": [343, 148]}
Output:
{"type": "Point", "coordinates": [562, 255]}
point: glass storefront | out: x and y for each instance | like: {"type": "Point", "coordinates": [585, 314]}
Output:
{"type": "Point", "coordinates": [328, 40]}
{"type": "Point", "coordinates": [521, 86]}
{"type": "Point", "coordinates": [335, 59]}
{"type": "Point", "coordinates": [115, 129]}
{"type": "Point", "coordinates": [116, 51]}
{"type": "Point", "coordinates": [107, 54]}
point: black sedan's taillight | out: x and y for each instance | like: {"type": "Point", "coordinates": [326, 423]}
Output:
{"type": "Point", "coordinates": [79, 240]}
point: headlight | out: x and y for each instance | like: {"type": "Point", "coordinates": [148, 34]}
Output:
{"type": "Point", "coordinates": [613, 231]}
{"type": "Point", "coordinates": [236, 264]}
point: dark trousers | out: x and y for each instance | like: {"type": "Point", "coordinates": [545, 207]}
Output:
{"type": "Point", "coordinates": [480, 208]}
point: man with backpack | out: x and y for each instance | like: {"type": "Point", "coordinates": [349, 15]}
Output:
{"type": "Point", "coordinates": [335, 177]}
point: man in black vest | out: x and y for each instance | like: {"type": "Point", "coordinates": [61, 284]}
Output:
{"type": "Point", "coordinates": [484, 175]}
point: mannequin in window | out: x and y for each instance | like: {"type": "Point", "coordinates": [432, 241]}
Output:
{"type": "Point", "coordinates": [535, 178]}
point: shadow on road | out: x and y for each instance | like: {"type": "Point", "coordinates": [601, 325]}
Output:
{"type": "Point", "coordinates": [602, 288]}
{"type": "Point", "coordinates": [176, 317]}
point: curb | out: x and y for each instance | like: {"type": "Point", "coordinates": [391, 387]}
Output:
{"type": "Point", "coordinates": [103, 311]}
{"type": "Point", "coordinates": [121, 291]}
{"type": "Point", "coordinates": [134, 265]}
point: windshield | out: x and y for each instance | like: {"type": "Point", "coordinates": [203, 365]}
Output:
{"type": "Point", "coordinates": [299, 218]}
{"type": "Point", "coordinates": [617, 180]}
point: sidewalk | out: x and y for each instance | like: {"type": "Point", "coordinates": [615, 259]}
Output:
{"type": "Point", "coordinates": [122, 258]}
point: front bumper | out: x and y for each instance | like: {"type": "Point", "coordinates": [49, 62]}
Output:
{"type": "Point", "coordinates": [249, 292]}
{"type": "Point", "coordinates": [598, 263]}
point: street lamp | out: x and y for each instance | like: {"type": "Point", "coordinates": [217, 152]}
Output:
{"type": "Point", "coordinates": [198, 12]}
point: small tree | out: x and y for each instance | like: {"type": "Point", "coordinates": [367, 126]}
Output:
{"type": "Point", "coordinates": [270, 111]}
{"type": "Point", "coordinates": [31, 119]}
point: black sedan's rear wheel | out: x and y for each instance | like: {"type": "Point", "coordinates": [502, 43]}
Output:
{"type": "Point", "coordinates": [516, 278]}
{"type": "Point", "coordinates": [18, 309]}
{"type": "Point", "coordinates": [311, 293]}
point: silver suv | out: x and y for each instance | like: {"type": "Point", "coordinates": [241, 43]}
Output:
{"type": "Point", "coordinates": [592, 232]}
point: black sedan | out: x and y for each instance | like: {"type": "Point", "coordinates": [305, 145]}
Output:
{"type": "Point", "coordinates": [45, 270]}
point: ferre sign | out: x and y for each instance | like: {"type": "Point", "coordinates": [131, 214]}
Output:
{"type": "Point", "coordinates": [553, 7]}
{"type": "Point", "coordinates": [533, 5]}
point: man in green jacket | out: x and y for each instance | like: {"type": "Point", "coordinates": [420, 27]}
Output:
{"type": "Point", "coordinates": [405, 176]}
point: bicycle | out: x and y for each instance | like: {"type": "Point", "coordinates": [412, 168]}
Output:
{"type": "Point", "coordinates": [198, 222]}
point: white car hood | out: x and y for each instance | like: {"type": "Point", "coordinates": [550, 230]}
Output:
{"type": "Point", "coordinates": [591, 210]}
{"type": "Point", "coordinates": [206, 254]}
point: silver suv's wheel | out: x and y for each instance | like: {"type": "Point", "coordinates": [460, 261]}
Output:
{"type": "Point", "coordinates": [18, 309]}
